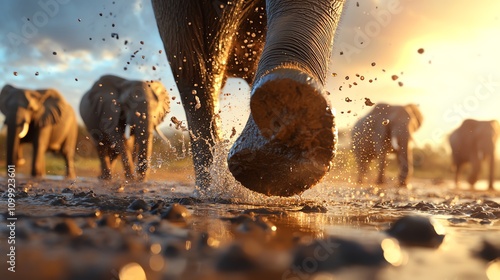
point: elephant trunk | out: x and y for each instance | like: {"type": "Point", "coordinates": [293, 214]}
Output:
{"type": "Point", "coordinates": [144, 150]}
{"type": "Point", "coordinates": [405, 159]}
{"type": "Point", "coordinates": [13, 142]}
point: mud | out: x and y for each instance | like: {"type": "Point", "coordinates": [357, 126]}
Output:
{"type": "Point", "coordinates": [86, 229]}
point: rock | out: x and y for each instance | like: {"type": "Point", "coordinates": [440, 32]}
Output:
{"type": "Point", "coordinates": [333, 253]}
{"type": "Point", "coordinates": [314, 209]}
{"type": "Point", "coordinates": [139, 205]}
{"type": "Point", "coordinates": [416, 231]}
{"type": "Point", "coordinates": [68, 226]}
{"type": "Point", "coordinates": [489, 251]}
{"type": "Point", "coordinates": [237, 257]}
{"type": "Point", "coordinates": [176, 213]}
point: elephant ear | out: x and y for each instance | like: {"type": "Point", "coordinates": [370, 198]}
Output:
{"type": "Point", "coordinates": [5, 95]}
{"type": "Point", "coordinates": [48, 108]}
{"type": "Point", "coordinates": [162, 107]}
{"type": "Point", "coordinates": [416, 116]}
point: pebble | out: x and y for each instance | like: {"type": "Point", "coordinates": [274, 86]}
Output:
{"type": "Point", "coordinates": [416, 231]}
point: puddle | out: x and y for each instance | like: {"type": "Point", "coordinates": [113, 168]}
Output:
{"type": "Point", "coordinates": [90, 230]}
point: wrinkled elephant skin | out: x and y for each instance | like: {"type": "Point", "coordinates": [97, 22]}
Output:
{"type": "Point", "coordinates": [43, 118]}
{"type": "Point", "coordinates": [385, 129]}
{"type": "Point", "coordinates": [473, 142]}
{"type": "Point", "coordinates": [282, 49]}
{"type": "Point", "coordinates": [112, 105]}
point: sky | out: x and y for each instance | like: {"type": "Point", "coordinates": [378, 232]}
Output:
{"type": "Point", "coordinates": [69, 44]}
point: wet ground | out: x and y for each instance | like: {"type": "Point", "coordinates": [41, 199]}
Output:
{"type": "Point", "coordinates": [157, 230]}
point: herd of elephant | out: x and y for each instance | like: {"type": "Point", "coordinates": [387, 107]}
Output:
{"type": "Point", "coordinates": [282, 49]}
{"type": "Point", "coordinates": [121, 116]}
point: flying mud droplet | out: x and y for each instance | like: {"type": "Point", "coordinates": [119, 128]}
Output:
{"type": "Point", "coordinates": [198, 103]}
{"type": "Point", "coordinates": [347, 78]}
{"type": "Point", "coordinates": [385, 122]}
{"type": "Point", "coordinates": [154, 68]}
{"type": "Point", "coordinates": [54, 53]}
{"type": "Point", "coordinates": [373, 63]}
{"type": "Point", "coordinates": [347, 99]}
{"type": "Point", "coordinates": [420, 51]}
{"type": "Point", "coordinates": [15, 73]}
{"type": "Point", "coordinates": [115, 35]}
{"type": "Point", "coordinates": [368, 102]}
{"type": "Point", "coordinates": [394, 77]}
{"type": "Point", "coordinates": [233, 132]}
{"type": "Point", "coordinates": [400, 84]}
{"type": "Point", "coordinates": [76, 79]}
{"type": "Point", "coordinates": [37, 73]}
{"type": "Point", "coordinates": [334, 74]}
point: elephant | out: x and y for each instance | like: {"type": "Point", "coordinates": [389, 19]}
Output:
{"type": "Point", "coordinates": [114, 107]}
{"type": "Point", "coordinates": [281, 48]}
{"type": "Point", "coordinates": [386, 128]}
{"type": "Point", "coordinates": [473, 142]}
{"type": "Point", "coordinates": [41, 117]}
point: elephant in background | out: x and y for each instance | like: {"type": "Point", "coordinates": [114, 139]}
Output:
{"type": "Point", "coordinates": [281, 48]}
{"type": "Point", "coordinates": [386, 129]}
{"type": "Point", "coordinates": [111, 107]}
{"type": "Point", "coordinates": [473, 142]}
{"type": "Point", "coordinates": [43, 118]}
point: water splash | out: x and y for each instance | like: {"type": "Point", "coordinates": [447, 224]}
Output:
{"type": "Point", "coordinates": [225, 187]}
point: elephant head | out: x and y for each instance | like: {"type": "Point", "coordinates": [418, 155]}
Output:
{"type": "Point", "coordinates": [28, 113]}
{"type": "Point", "coordinates": [473, 142]}
{"type": "Point", "coordinates": [386, 129]}
{"type": "Point", "coordinates": [121, 115]}
{"type": "Point", "coordinates": [289, 140]}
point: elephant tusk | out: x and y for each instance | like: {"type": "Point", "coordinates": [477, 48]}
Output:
{"type": "Point", "coordinates": [127, 131]}
{"type": "Point", "coordinates": [162, 136]}
{"type": "Point", "coordinates": [23, 132]}
{"type": "Point", "coordinates": [394, 144]}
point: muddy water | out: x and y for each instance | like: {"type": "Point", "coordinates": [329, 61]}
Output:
{"type": "Point", "coordinates": [90, 230]}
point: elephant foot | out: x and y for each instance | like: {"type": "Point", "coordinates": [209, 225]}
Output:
{"type": "Point", "coordinates": [289, 140]}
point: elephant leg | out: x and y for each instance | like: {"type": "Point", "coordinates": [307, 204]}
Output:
{"type": "Point", "coordinates": [458, 169]}
{"type": "Point", "coordinates": [362, 169]}
{"type": "Point", "coordinates": [20, 156]}
{"type": "Point", "coordinates": [405, 163]}
{"type": "Point", "coordinates": [476, 169]}
{"type": "Point", "coordinates": [289, 140]}
{"type": "Point", "coordinates": [491, 164]}
{"type": "Point", "coordinates": [126, 156]}
{"type": "Point", "coordinates": [105, 160]}
{"type": "Point", "coordinates": [68, 152]}
{"type": "Point", "coordinates": [40, 146]}
{"type": "Point", "coordinates": [381, 169]}
{"type": "Point", "coordinates": [145, 149]}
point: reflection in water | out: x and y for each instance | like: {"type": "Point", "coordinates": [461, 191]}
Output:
{"type": "Point", "coordinates": [392, 252]}
{"type": "Point", "coordinates": [132, 271]}
{"type": "Point", "coordinates": [493, 270]}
